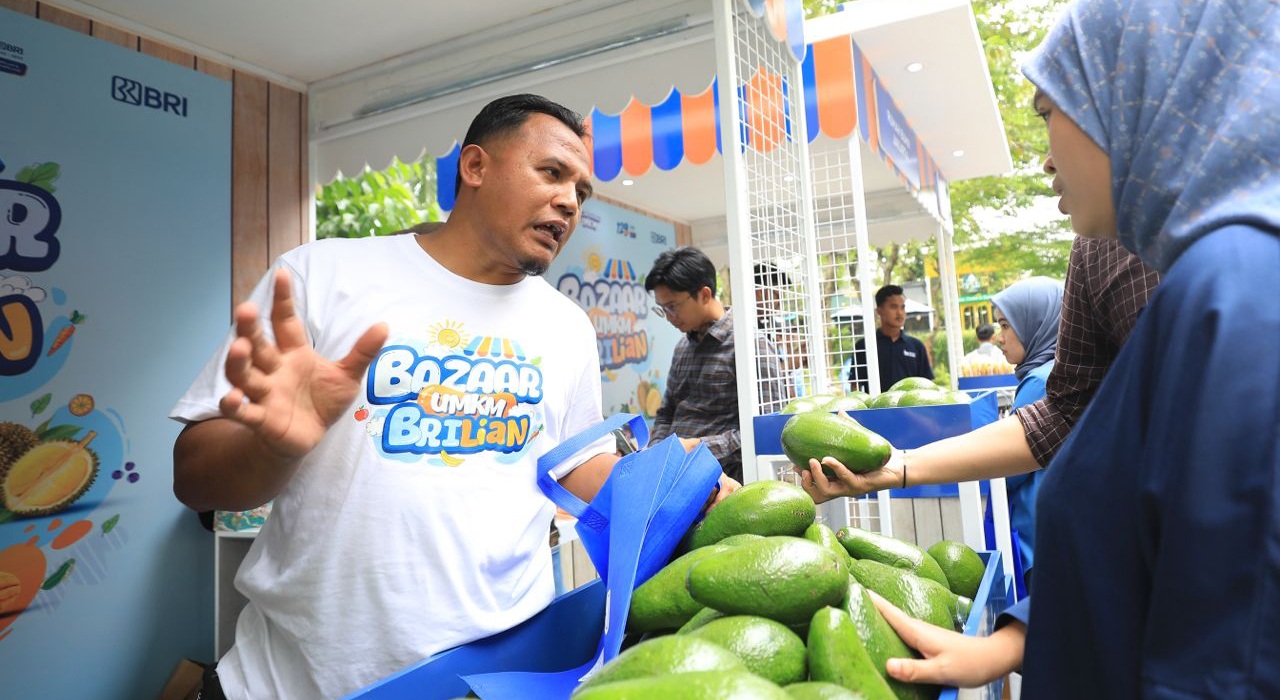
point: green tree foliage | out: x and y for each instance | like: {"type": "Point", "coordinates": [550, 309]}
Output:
{"type": "Point", "coordinates": [378, 202]}
{"type": "Point", "coordinates": [1010, 29]}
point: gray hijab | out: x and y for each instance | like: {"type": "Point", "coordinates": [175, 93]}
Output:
{"type": "Point", "coordinates": [1033, 308]}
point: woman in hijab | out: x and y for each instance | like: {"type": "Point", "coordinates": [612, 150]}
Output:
{"type": "Point", "coordinates": [1028, 313]}
{"type": "Point", "coordinates": [1158, 523]}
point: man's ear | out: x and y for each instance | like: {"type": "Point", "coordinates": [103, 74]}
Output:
{"type": "Point", "coordinates": [472, 163]}
{"type": "Point", "coordinates": [705, 295]}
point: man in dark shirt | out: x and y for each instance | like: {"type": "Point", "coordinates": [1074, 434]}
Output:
{"type": "Point", "coordinates": [901, 355]}
{"type": "Point", "coordinates": [701, 401]}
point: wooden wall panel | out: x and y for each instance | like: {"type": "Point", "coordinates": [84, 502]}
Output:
{"type": "Point", "coordinates": [903, 517]}
{"type": "Point", "coordinates": [304, 169]}
{"type": "Point", "coordinates": [26, 7]}
{"type": "Point", "coordinates": [249, 222]}
{"type": "Point", "coordinates": [62, 18]}
{"type": "Point", "coordinates": [928, 522]}
{"type": "Point", "coordinates": [119, 37]}
{"type": "Point", "coordinates": [284, 186]}
{"type": "Point", "coordinates": [167, 53]}
{"type": "Point", "coordinates": [684, 235]}
{"type": "Point", "coordinates": [952, 523]}
{"type": "Point", "coordinates": [213, 68]}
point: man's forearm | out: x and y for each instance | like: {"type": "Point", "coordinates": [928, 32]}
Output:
{"type": "Point", "coordinates": [996, 450]}
{"type": "Point", "coordinates": [585, 481]}
{"type": "Point", "coordinates": [219, 464]}
{"type": "Point", "coordinates": [722, 444]}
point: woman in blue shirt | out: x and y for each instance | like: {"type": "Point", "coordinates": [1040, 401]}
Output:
{"type": "Point", "coordinates": [1028, 313]}
{"type": "Point", "coordinates": [1158, 522]}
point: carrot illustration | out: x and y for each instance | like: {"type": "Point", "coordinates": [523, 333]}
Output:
{"type": "Point", "coordinates": [65, 334]}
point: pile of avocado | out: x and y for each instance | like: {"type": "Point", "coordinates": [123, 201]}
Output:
{"type": "Point", "coordinates": [764, 603]}
{"type": "Point", "coordinates": [916, 391]}
{"type": "Point", "coordinates": [912, 391]}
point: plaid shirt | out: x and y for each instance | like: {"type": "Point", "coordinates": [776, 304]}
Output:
{"type": "Point", "coordinates": [1106, 287]}
{"type": "Point", "coordinates": [702, 392]}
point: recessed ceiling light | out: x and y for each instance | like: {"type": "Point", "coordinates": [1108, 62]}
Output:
{"type": "Point", "coordinates": [628, 183]}
{"type": "Point", "coordinates": [958, 153]}
{"type": "Point", "coordinates": [915, 67]}
{"type": "Point", "coordinates": [789, 178]}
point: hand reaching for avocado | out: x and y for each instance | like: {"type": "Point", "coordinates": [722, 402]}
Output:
{"type": "Point", "coordinates": [727, 486]}
{"type": "Point", "coordinates": [822, 489]}
{"type": "Point", "coordinates": [951, 658]}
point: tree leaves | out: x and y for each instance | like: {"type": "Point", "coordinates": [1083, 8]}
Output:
{"type": "Point", "coordinates": [378, 203]}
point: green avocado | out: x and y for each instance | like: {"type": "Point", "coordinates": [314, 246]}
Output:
{"type": "Point", "coordinates": [735, 540]}
{"type": "Point", "coordinates": [888, 399]}
{"type": "Point", "coordinates": [816, 402]}
{"type": "Point", "coordinates": [846, 403]}
{"type": "Point", "coordinates": [699, 619]}
{"type": "Point", "coordinates": [836, 655]}
{"type": "Point", "coordinates": [781, 578]}
{"type": "Point", "coordinates": [887, 550]}
{"type": "Point", "coordinates": [759, 508]}
{"type": "Point", "coordinates": [665, 655]}
{"type": "Point", "coordinates": [961, 565]}
{"type": "Point", "coordinates": [862, 396]}
{"type": "Point", "coordinates": [767, 648]}
{"type": "Point", "coordinates": [882, 642]}
{"type": "Point", "coordinates": [917, 596]}
{"type": "Point", "coordinates": [818, 690]}
{"type": "Point", "coordinates": [703, 685]}
{"type": "Point", "coordinates": [817, 435]}
{"type": "Point", "coordinates": [819, 533]}
{"type": "Point", "coordinates": [910, 383]}
{"type": "Point", "coordinates": [663, 602]}
{"type": "Point", "coordinates": [924, 397]}
{"type": "Point", "coordinates": [957, 396]}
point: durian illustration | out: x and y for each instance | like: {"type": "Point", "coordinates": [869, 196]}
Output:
{"type": "Point", "coordinates": [48, 477]}
{"type": "Point", "coordinates": [15, 440]}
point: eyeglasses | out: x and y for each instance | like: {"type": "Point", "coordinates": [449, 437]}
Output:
{"type": "Point", "coordinates": [669, 309]}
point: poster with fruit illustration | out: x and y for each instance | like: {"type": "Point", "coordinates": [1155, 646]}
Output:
{"type": "Point", "coordinates": [114, 254]}
{"type": "Point", "coordinates": [603, 269]}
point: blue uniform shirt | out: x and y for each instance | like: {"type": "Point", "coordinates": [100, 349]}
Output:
{"type": "Point", "coordinates": [899, 359]}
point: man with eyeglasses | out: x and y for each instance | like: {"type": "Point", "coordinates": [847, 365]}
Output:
{"type": "Point", "coordinates": [701, 401]}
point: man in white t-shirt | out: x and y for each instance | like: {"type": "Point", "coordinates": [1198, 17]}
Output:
{"type": "Point", "coordinates": [401, 455]}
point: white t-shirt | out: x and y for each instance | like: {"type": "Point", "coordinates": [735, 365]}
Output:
{"type": "Point", "coordinates": [416, 524]}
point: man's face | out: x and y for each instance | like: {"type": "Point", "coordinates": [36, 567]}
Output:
{"type": "Point", "coordinates": [893, 312]}
{"type": "Point", "coordinates": [530, 187]}
{"type": "Point", "coordinates": [682, 309]}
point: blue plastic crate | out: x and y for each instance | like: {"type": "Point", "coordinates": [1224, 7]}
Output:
{"type": "Point", "coordinates": [907, 428]}
{"type": "Point", "coordinates": [565, 635]}
{"type": "Point", "coordinates": [992, 381]}
{"type": "Point", "coordinates": [991, 600]}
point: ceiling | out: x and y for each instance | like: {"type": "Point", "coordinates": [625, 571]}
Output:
{"type": "Point", "coordinates": [393, 78]}
{"type": "Point", "coordinates": [310, 40]}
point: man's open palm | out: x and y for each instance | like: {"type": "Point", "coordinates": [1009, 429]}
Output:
{"type": "Point", "coordinates": [284, 391]}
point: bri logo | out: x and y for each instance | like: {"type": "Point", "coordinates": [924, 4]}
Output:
{"type": "Point", "coordinates": [132, 92]}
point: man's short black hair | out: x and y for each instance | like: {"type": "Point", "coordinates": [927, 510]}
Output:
{"type": "Point", "coordinates": [684, 269]}
{"type": "Point", "coordinates": [889, 290]}
{"type": "Point", "coordinates": [768, 275]}
{"type": "Point", "coordinates": [985, 331]}
{"type": "Point", "coordinates": [506, 114]}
